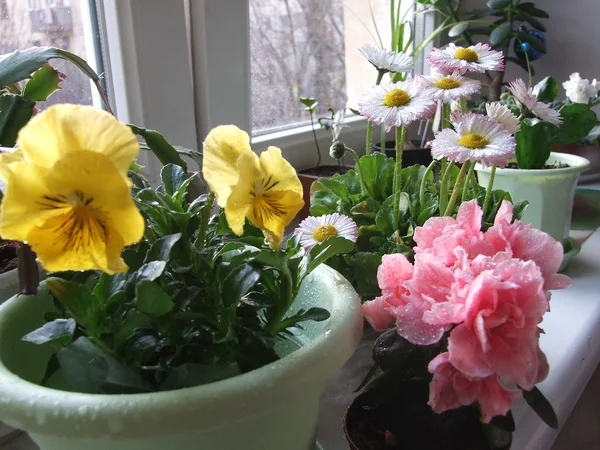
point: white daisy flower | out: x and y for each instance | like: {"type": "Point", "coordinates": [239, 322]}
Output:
{"type": "Point", "coordinates": [476, 58]}
{"type": "Point", "coordinates": [580, 90]}
{"type": "Point", "coordinates": [448, 88]}
{"type": "Point", "coordinates": [527, 99]}
{"type": "Point", "coordinates": [387, 61]}
{"type": "Point", "coordinates": [314, 230]}
{"type": "Point", "coordinates": [501, 114]}
{"type": "Point", "coordinates": [397, 104]}
{"type": "Point", "coordinates": [477, 138]}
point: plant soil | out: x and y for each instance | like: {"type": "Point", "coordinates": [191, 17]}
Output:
{"type": "Point", "coordinates": [325, 171]}
{"type": "Point", "coordinates": [406, 422]}
{"type": "Point", "coordinates": [514, 165]}
{"type": "Point", "coordinates": [8, 256]}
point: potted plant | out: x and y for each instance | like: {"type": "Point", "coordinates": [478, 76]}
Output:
{"type": "Point", "coordinates": [464, 339]}
{"type": "Point", "coordinates": [166, 320]}
{"type": "Point", "coordinates": [580, 90]}
{"type": "Point", "coordinates": [546, 179]}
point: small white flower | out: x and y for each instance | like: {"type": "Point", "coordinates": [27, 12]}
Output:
{"type": "Point", "coordinates": [385, 60]}
{"type": "Point", "coordinates": [476, 58]}
{"type": "Point", "coordinates": [580, 90]}
{"type": "Point", "coordinates": [477, 138]}
{"type": "Point", "coordinates": [527, 99]}
{"type": "Point", "coordinates": [501, 114]}
{"type": "Point", "coordinates": [314, 230]}
{"type": "Point", "coordinates": [397, 104]}
{"type": "Point", "coordinates": [448, 88]}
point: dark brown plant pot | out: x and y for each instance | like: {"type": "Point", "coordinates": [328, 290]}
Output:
{"type": "Point", "coordinates": [406, 422]}
{"type": "Point", "coordinates": [411, 155]}
{"type": "Point", "coordinates": [589, 152]}
{"type": "Point", "coordinates": [309, 176]}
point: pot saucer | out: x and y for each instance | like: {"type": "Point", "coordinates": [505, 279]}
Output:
{"type": "Point", "coordinates": [571, 247]}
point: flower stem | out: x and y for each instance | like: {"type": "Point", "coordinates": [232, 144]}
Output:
{"type": "Point", "coordinates": [369, 123]}
{"type": "Point", "coordinates": [312, 126]}
{"type": "Point", "coordinates": [27, 269]}
{"type": "Point", "coordinates": [488, 191]}
{"type": "Point", "coordinates": [400, 137]}
{"type": "Point", "coordinates": [424, 183]}
{"type": "Point", "coordinates": [204, 218]}
{"type": "Point", "coordinates": [363, 184]}
{"type": "Point", "coordinates": [446, 171]}
{"type": "Point", "coordinates": [467, 183]}
{"type": "Point", "coordinates": [457, 188]}
{"type": "Point", "coordinates": [446, 112]}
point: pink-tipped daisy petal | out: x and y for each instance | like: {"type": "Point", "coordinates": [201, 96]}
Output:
{"type": "Point", "coordinates": [314, 230]}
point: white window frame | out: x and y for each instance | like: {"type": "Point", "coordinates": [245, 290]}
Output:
{"type": "Point", "coordinates": [183, 67]}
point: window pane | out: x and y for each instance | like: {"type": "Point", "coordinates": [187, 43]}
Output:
{"type": "Point", "coordinates": [296, 49]}
{"type": "Point", "coordinates": [67, 24]}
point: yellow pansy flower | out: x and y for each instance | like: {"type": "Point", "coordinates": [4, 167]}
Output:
{"type": "Point", "coordinates": [70, 199]}
{"type": "Point", "coordinates": [7, 158]}
{"type": "Point", "coordinates": [264, 190]}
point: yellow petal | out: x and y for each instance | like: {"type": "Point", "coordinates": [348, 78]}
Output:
{"type": "Point", "coordinates": [65, 128]}
{"type": "Point", "coordinates": [280, 174]}
{"type": "Point", "coordinates": [243, 193]}
{"type": "Point", "coordinates": [27, 201]}
{"type": "Point", "coordinates": [273, 211]}
{"type": "Point", "coordinates": [222, 148]}
{"type": "Point", "coordinates": [7, 158]}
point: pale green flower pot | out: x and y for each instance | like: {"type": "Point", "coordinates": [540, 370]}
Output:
{"type": "Point", "coordinates": [550, 192]}
{"type": "Point", "coordinates": [271, 408]}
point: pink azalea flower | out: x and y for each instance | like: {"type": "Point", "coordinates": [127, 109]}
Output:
{"type": "Point", "coordinates": [394, 270]}
{"type": "Point", "coordinates": [450, 388]}
{"type": "Point", "coordinates": [500, 333]}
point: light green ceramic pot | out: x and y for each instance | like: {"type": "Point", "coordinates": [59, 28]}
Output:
{"type": "Point", "coordinates": [271, 408]}
{"type": "Point", "coordinates": [550, 192]}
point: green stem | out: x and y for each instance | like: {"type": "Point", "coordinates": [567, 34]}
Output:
{"type": "Point", "coordinates": [424, 183]}
{"type": "Point", "coordinates": [467, 183]}
{"type": "Point", "coordinates": [312, 126]}
{"type": "Point", "coordinates": [444, 183]}
{"type": "Point", "coordinates": [204, 218]}
{"type": "Point", "coordinates": [27, 270]}
{"type": "Point", "coordinates": [363, 184]}
{"type": "Point", "coordinates": [457, 188]}
{"type": "Point", "coordinates": [273, 327]}
{"type": "Point", "coordinates": [488, 191]}
{"type": "Point", "coordinates": [369, 140]}
{"type": "Point", "coordinates": [400, 137]}
{"type": "Point", "coordinates": [446, 112]}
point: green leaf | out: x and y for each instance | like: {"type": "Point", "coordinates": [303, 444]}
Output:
{"type": "Point", "coordinates": [84, 306]}
{"type": "Point", "coordinates": [541, 406]}
{"type": "Point", "coordinates": [506, 423]}
{"type": "Point", "coordinates": [151, 299]}
{"type": "Point", "coordinates": [497, 4]}
{"type": "Point", "coordinates": [385, 221]}
{"type": "Point", "coordinates": [330, 247]}
{"type": "Point", "coordinates": [546, 90]}
{"type": "Point", "coordinates": [530, 8]}
{"type": "Point", "coordinates": [58, 330]}
{"type": "Point", "coordinates": [500, 33]}
{"type": "Point", "coordinates": [164, 151]}
{"type": "Point", "coordinates": [310, 103]}
{"type": "Point", "coordinates": [403, 204]}
{"type": "Point", "coordinates": [533, 144]}
{"type": "Point", "coordinates": [535, 23]}
{"type": "Point", "coordinates": [162, 248]}
{"type": "Point", "coordinates": [498, 438]}
{"type": "Point", "coordinates": [172, 177]}
{"type": "Point", "coordinates": [378, 173]}
{"type": "Point", "coordinates": [337, 188]}
{"type": "Point", "coordinates": [42, 84]}
{"type": "Point", "coordinates": [521, 63]}
{"type": "Point", "coordinates": [150, 271]}
{"type": "Point", "coordinates": [390, 349]}
{"type": "Point", "coordinates": [458, 29]}
{"type": "Point", "coordinates": [578, 121]}
{"type": "Point", "coordinates": [535, 42]}
{"type": "Point", "coordinates": [20, 64]}
{"type": "Point", "coordinates": [519, 209]}
{"type": "Point", "coordinates": [15, 112]}
{"type": "Point", "coordinates": [314, 314]}
{"type": "Point", "coordinates": [238, 283]}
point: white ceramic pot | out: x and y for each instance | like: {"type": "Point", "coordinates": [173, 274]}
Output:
{"type": "Point", "coordinates": [550, 192]}
{"type": "Point", "coordinates": [9, 284]}
{"type": "Point", "coordinates": [271, 408]}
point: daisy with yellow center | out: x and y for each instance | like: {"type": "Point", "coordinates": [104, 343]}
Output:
{"type": "Point", "coordinates": [449, 88]}
{"type": "Point", "coordinates": [504, 116]}
{"type": "Point", "coordinates": [314, 230]}
{"type": "Point", "coordinates": [475, 138]}
{"type": "Point", "coordinates": [264, 190]}
{"type": "Point", "coordinates": [476, 58]}
{"type": "Point", "coordinates": [529, 102]}
{"type": "Point", "coordinates": [67, 194]}
{"type": "Point", "coordinates": [397, 104]}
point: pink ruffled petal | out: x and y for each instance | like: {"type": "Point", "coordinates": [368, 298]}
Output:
{"type": "Point", "coordinates": [376, 314]}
